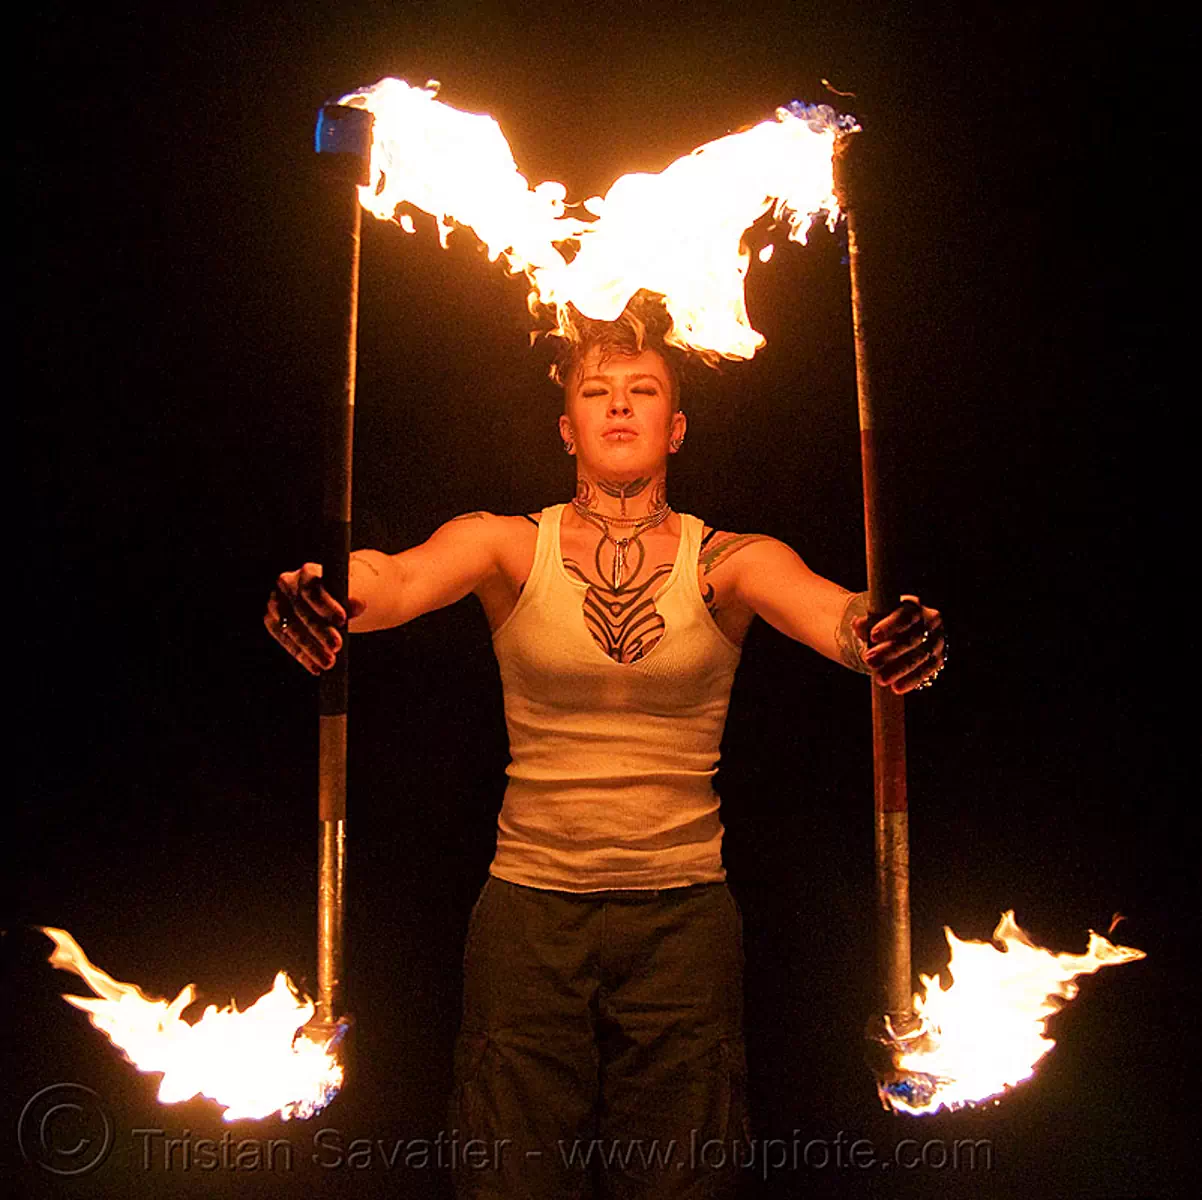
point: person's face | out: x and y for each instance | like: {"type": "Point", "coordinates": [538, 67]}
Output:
{"type": "Point", "coordinates": [619, 415]}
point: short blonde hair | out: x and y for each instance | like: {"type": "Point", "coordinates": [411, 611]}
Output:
{"type": "Point", "coordinates": [643, 325]}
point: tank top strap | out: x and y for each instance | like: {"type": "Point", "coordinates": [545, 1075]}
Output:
{"type": "Point", "coordinates": [691, 529]}
{"type": "Point", "coordinates": [543, 569]}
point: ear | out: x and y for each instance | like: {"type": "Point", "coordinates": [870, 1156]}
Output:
{"type": "Point", "coordinates": [677, 426]}
{"type": "Point", "coordinates": [565, 429]}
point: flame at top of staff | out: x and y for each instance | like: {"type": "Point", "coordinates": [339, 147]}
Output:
{"type": "Point", "coordinates": [677, 234]}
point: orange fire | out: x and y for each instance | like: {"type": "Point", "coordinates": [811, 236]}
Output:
{"type": "Point", "coordinates": [678, 233]}
{"type": "Point", "coordinates": [987, 1031]}
{"type": "Point", "coordinates": [252, 1063]}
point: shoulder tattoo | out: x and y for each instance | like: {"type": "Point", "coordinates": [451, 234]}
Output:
{"type": "Point", "coordinates": [719, 547]}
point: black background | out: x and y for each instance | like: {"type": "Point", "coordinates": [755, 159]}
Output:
{"type": "Point", "coordinates": [174, 340]}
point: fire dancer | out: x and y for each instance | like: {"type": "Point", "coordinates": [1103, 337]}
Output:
{"type": "Point", "coordinates": [603, 966]}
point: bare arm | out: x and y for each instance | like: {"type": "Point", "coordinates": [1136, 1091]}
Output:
{"type": "Point", "coordinates": [773, 581]}
{"type": "Point", "coordinates": [385, 589]}
{"type": "Point", "coordinates": [394, 588]}
{"type": "Point", "coordinates": [907, 648]}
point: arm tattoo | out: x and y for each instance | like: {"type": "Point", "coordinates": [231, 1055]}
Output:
{"type": "Point", "coordinates": [725, 545]}
{"type": "Point", "coordinates": [845, 638]}
{"type": "Point", "coordinates": [469, 516]}
{"type": "Point", "coordinates": [358, 558]}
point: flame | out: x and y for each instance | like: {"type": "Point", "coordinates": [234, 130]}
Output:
{"type": "Point", "coordinates": [677, 234]}
{"type": "Point", "coordinates": [987, 1031]}
{"type": "Point", "coordinates": [253, 1063]}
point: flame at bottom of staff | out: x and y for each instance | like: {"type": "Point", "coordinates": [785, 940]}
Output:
{"type": "Point", "coordinates": [253, 1063]}
{"type": "Point", "coordinates": [986, 1032]}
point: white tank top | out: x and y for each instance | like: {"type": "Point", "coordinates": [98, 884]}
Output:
{"type": "Point", "coordinates": [610, 779]}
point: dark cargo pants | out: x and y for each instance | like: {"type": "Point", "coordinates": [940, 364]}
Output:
{"type": "Point", "coordinates": [601, 1048]}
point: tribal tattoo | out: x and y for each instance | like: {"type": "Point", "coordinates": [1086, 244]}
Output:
{"type": "Point", "coordinates": [623, 621]}
{"type": "Point", "coordinates": [716, 548]}
{"type": "Point", "coordinates": [621, 490]}
{"type": "Point", "coordinates": [721, 546]}
{"type": "Point", "coordinates": [845, 638]}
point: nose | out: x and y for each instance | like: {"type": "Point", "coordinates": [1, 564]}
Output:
{"type": "Point", "coordinates": [619, 406]}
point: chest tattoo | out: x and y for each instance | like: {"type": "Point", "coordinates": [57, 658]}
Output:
{"type": "Point", "coordinates": [623, 621]}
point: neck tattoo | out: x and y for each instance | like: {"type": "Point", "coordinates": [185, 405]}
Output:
{"type": "Point", "coordinates": [621, 490]}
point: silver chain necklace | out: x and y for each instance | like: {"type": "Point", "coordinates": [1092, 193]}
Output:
{"type": "Point", "coordinates": [637, 525]}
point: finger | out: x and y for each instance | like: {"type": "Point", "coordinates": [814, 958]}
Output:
{"type": "Point", "coordinates": [901, 665]}
{"type": "Point", "coordinates": [308, 646]}
{"type": "Point", "coordinates": [898, 621]}
{"type": "Point", "coordinates": [937, 645]}
{"type": "Point", "coordinates": [279, 628]}
{"type": "Point", "coordinates": [909, 671]}
{"type": "Point", "coordinates": [885, 653]}
{"type": "Point", "coordinates": [286, 632]}
{"type": "Point", "coordinates": [313, 625]}
{"type": "Point", "coordinates": [308, 641]}
{"type": "Point", "coordinates": [914, 679]}
{"type": "Point", "coordinates": [322, 603]}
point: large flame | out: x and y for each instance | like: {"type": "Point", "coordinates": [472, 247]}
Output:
{"type": "Point", "coordinates": [987, 1031]}
{"type": "Point", "coordinates": [253, 1063]}
{"type": "Point", "coordinates": [678, 234]}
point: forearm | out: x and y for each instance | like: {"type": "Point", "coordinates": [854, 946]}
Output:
{"type": "Point", "coordinates": [825, 622]}
{"type": "Point", "coordinates": [451, 563]}
{"type": "Point", "coordinates": [375, 583]}
{"type": "Point", "coordinates": [776, 585]}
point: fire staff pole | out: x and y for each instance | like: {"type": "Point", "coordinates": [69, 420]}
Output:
{"type": "Point", "coordinates": [892, 842]}
{"type": "Point", "coordinates": [343, 143]}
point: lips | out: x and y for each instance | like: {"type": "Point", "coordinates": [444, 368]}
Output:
{"type": "Point", "coordinates": [619, 433]}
